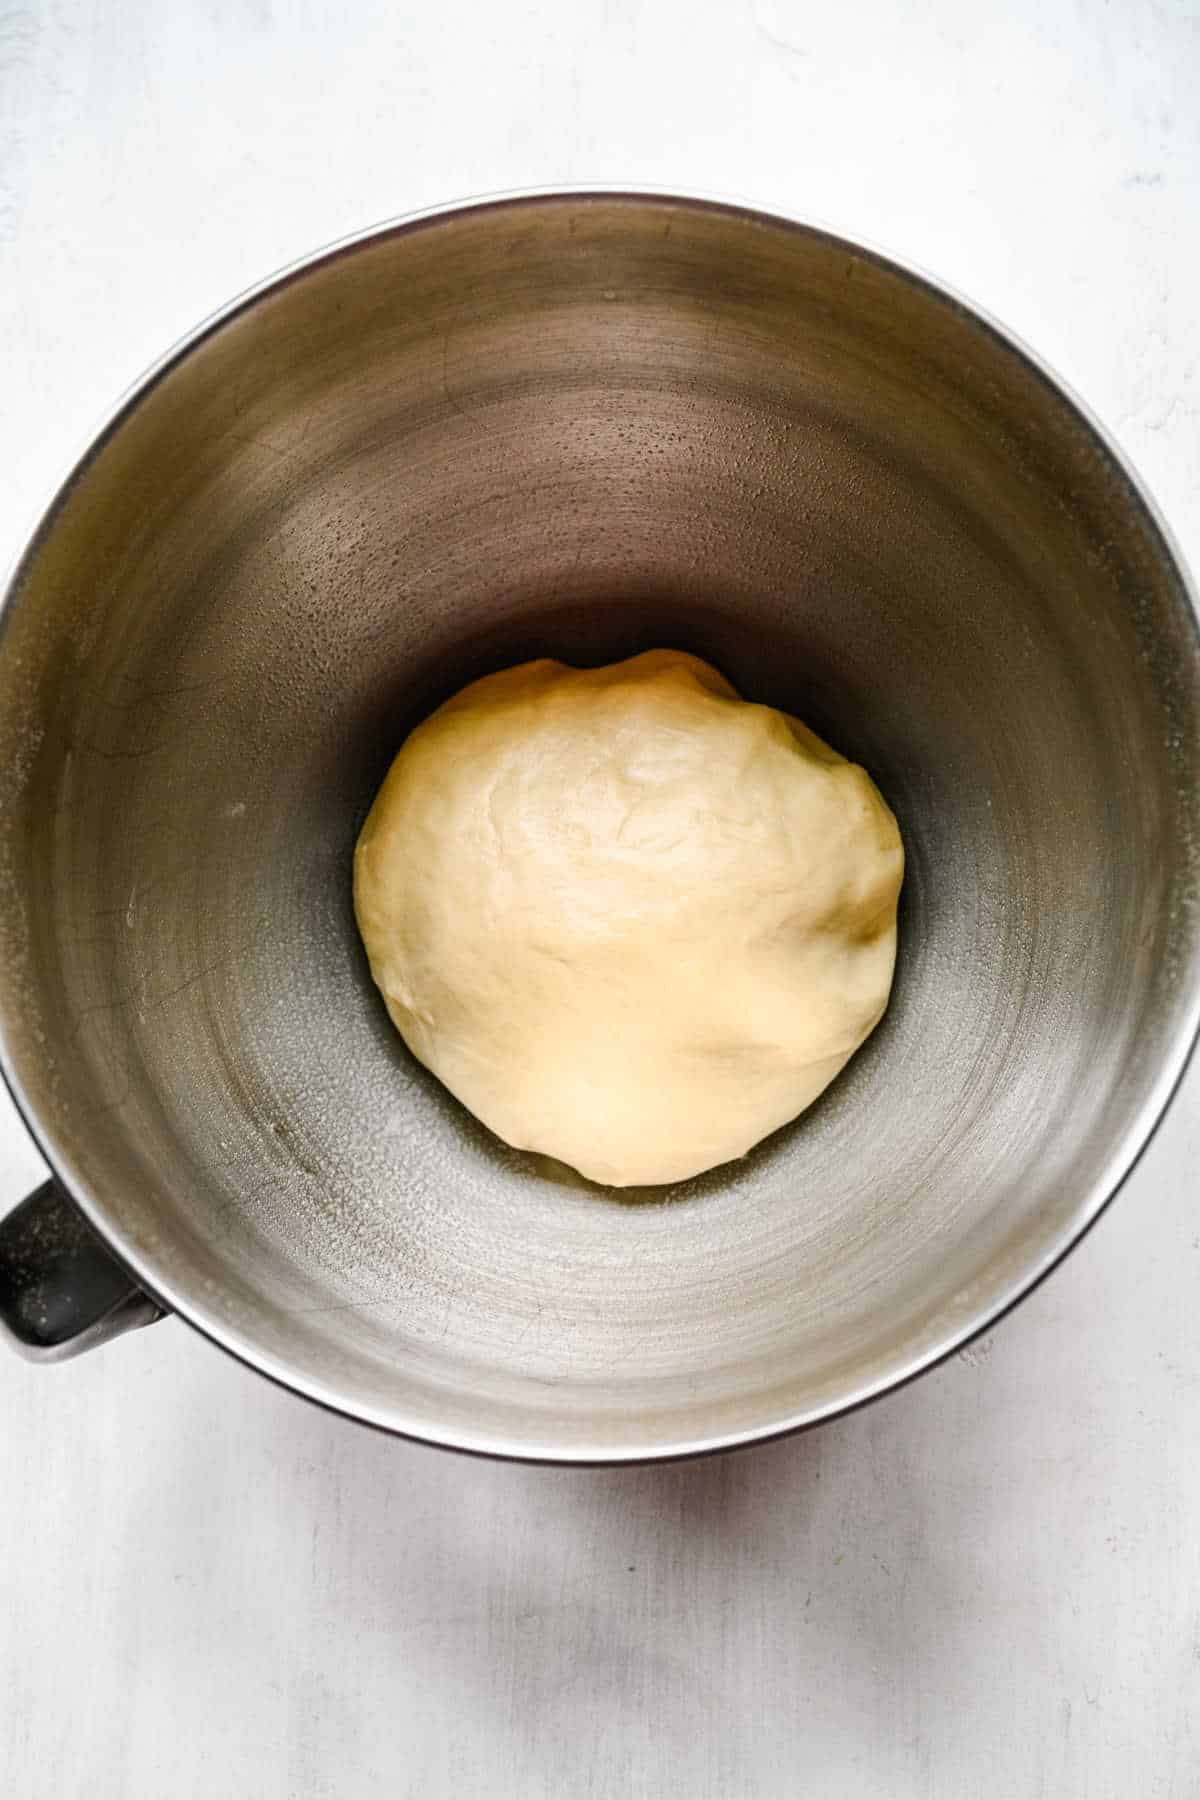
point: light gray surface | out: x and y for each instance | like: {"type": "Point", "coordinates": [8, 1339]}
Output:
{"type": "Point", "coordinates": [989, 1585]}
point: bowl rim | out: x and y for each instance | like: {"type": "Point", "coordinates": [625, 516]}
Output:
{"type": "Point", "coordinates": [1121, 1160]}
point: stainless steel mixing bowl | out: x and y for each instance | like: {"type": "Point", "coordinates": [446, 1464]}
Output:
{"type": "Point", "coordinates": [582, 425]}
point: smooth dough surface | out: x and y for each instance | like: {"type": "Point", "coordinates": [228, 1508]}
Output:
{"type": "Point", "coordinates": [631, 920]}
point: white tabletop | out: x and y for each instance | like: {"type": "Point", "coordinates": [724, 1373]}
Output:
{"type": "Point", "coordinates": [985, 1588]}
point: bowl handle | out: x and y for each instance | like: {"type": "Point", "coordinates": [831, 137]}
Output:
{"type": "Point", "coordinates": [61, 1291]}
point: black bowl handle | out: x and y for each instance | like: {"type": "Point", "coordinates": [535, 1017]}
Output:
{"type": "Point", "coordinates": [60, 1290]}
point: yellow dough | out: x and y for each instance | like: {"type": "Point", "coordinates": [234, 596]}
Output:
{"type": "Point", "coordinates": [631, 920]}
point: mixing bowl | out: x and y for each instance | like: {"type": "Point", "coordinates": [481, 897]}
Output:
{"type": "Point", "coordinates": [581, 425]}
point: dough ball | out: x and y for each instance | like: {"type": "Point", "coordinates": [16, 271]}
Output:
{"type": "Point", "coordinates": [629, 919]}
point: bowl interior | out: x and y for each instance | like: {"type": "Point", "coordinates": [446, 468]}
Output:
{"type": "Point", "coordinates": [583, 426]}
